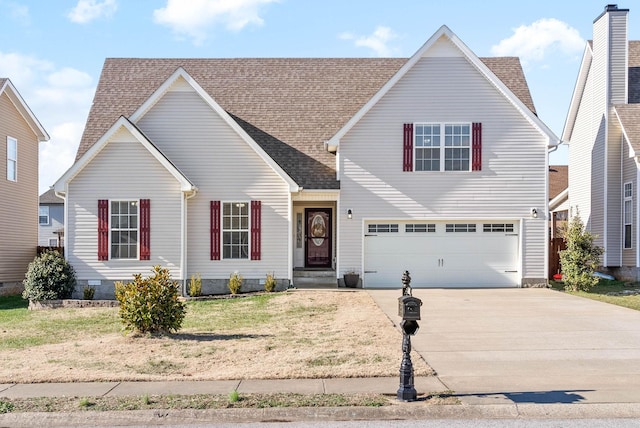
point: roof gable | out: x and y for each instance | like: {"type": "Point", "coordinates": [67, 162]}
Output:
{"type": "Point", "coordinates": [6, 87]}
{"type": "Point", "coordinates": [439, 45]}
{"type": "Point", "coordinates": [288, 106]}
{"type": "Point", "coordinates": [185, 184]}
{"type": "Point", "coordinates": [181, 75]}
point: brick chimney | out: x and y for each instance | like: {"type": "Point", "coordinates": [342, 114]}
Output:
{"type": "Point", "coordinates": [611, 52]}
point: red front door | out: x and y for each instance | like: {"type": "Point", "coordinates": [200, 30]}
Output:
{"type": "Point", "coordinates": [317, 249]}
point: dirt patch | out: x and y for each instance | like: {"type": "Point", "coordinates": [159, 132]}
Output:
{"type": "Point", "coordinates": [312, 334]}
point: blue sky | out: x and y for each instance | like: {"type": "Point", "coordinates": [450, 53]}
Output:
{"type": "Point", "coordinates": [53, 50]}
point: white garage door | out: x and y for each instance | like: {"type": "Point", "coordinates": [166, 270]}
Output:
{"type": "Point", "coordinates": [442, 254]}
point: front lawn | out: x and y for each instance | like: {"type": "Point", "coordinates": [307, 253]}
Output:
{"type": "Point", "coordinates": [615, 292]}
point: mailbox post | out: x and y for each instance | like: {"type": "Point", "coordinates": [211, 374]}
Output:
{"type": "Point", "coordinates": [409, 311]}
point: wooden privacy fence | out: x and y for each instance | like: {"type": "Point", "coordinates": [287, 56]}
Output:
{"type": "Point", "coordinates": [555, 246]}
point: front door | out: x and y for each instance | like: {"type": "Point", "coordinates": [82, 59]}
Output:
{"type": "Point", "coordinates": [317, 249]}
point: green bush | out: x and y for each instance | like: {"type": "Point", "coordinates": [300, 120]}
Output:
{"type": "Point", "coordinates": [49, 277]}
{"type": "Point", "coordinates": [195, 285]}
{"type": "Point", "coordinates": [270, 282]}
{"type": "Point", "coordinates": [581, 257]}
{"type": "Point", "coordinates": [151, 305]}
{"type": "Point", "coordinates": [235, 283]}
{"type": "Point", "coordinates": [88, 292]}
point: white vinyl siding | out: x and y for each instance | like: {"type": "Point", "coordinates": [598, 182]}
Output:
{"type": "Point", "coordinates": [140, 176]}
{"type": "Point", "coordinates": [224, 168]}
{"type": "Point", "coordinates": [512, 180]}
{"type": "Point", "coordinates": [629, 175]}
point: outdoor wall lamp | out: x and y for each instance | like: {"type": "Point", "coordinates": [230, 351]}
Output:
{"type": "Point", "coordinates": [349, 213]}
{"type": "Point", "coordinates": [534, 213]}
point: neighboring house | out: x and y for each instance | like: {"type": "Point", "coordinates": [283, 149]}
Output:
{"type": "Point", "coordinates": [20, 133]}
{"type": "Point", "coordinates": [603, 132]}
{"type": "Point", "coordinates": [436, 164]}
{"type": "Point", "coordinates": [51, 220]}
{"type": "Point", "coordinates": [558, 199]}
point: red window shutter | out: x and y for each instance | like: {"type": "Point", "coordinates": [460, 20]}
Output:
{"type": "Point", "coordinates": [214, 230]}
{"type": "Point", "coordinates": [407, 158]}
{"type": "Point", "coordinates": [145, 229]}
{"type": "Point", "coordinates": [476, 147]}
{"type": "Point", "coordinates": [256, 224]}
{"type": "Point", "coordinates": [103, 229]}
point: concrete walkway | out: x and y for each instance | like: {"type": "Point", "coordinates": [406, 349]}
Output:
{"type": "Point", "coordinates": [504, 346]}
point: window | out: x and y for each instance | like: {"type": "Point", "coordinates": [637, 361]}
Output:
{"type": "Point", "coordinates": [235, 230]}
{"type": "Point", "coordinates": [460, 227]}
{"type": "Point", "coordinates": [383, 228]}
{"type": "Point", "coordinates": [628, 214]}
{"type": "Point", "coordinates": [43, 219]}
{"type": "Point", "coordinates": [442, 147]}
{"type": "Point", "coordinates": [124, 229]}
{"type": "Point", "coordinates": [497, 227]}
{"type": "Point", "coordinates": [53, 242]}
{"type": "Point", "coordinates": [12, 159]}
{"type": "Point", "coordinates": [420, 228]}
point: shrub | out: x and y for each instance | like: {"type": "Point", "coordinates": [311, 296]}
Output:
{"type": "Point", "coordinates": [235, 283]}
{"type": "Point", "coordinates": [88, 292]}
{"type": "Point", "coordinates": [195, 285]}
{"type": "Point", "coordinates": [151, 305]}
{"type": "Point", "coordinates": [581, 257]}
{"type": "Point", "coordinates": [270, 282]}
{"type": "Point", "coordinates": [49, 277]}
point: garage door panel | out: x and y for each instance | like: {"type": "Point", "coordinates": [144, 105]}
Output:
{"type": "Point", "coordinates": [442, 259]}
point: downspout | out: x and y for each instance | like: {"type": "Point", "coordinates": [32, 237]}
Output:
{"type": "Point", "coordinates": [187, 195]}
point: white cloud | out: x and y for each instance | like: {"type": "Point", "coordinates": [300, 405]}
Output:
{"type": "Point", "coordinates": [19, 13]}
{"type": "Point", "coordinates": [194, 18]}
{"type": "Point", "coordinates": [378, 40]}
{"type": "Point", "coordinates": [89, 10]}
{"type": "Point", "coordinates": [60, 98]}
{"type": "Point", "coordinates": [533, 43]}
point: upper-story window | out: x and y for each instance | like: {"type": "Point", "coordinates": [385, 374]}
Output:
{"type": "Point", "coordinates": [442, 147]}
{"type": "Point", "coordinates": [12, 159]}
{"type": "Point", "coordinates": [43, 218]}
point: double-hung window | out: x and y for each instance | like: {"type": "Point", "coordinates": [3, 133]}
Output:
{"type": "Point", "coordinates": [235, 230]}
{"type": "Point", "coordinates": [628, 214]}
{"type": "Point", "coordinates": [124, 229]}
{"type": "Point", "coordinates": [43, 217]}
{"type": "Point", "coordinates": [12, 159]}
{"type": "Point", "coordinates": [442, 147]}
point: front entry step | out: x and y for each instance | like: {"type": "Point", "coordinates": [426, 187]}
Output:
{"type": "Point", "coordinates": [314, 278]}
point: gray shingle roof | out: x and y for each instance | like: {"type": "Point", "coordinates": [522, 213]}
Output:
{"type": "Point", "coordinates": [49, 197]}
{"type": "Point", "coordinates": [290, 106]}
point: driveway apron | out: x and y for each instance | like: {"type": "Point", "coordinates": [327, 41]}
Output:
{"type": "Point", "coordinates": [530, 345]}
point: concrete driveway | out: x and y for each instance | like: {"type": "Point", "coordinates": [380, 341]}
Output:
{"type": "Point", "coordinates": [499, 346]}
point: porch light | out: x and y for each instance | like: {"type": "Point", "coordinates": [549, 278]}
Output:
{"type": "Point", "coordinates": [349, 213]}
{"type": "Point", "coordinates": [534, 213]}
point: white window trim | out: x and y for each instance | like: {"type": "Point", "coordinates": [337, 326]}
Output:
{"type": "Point", "coordinates": [442, 148]}
{"type": "Point", "coordinates": [248, 230]}
{"type": "Point", "coordinates": [626, 217]}
{"type": "Point", "coordinates": [48, 223]}
{"type": "Point", "coordinates": [14, 142]}
{"type": "Point", "coordinates": [137, 257]}
{"type": "Point", "coordinates": [55, 242]}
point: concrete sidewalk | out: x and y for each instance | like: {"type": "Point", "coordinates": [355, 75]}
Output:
{"type": "Point", "coordinates": [382, 385]}
{"type": "Point", "coordinates": [505, 346]}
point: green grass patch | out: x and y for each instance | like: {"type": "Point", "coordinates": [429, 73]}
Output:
{"type": "Point", "coordinates": [608, 292]}
{"type": "Point", "coordinates": [229, 314]}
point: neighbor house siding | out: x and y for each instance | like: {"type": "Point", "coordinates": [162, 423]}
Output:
{"type": "Point", "coordinates": [224, 168]}
{"type": "Point", "coordinates": [512, 179]}
{"type": "Point", "coordinates": [629, 175]}
{"type": "Point", "coordinates": [123, 170]}
{"type": "Point", "coordinates": [19, 206]}
{"type": "Point", "coordinates": [56, 223]}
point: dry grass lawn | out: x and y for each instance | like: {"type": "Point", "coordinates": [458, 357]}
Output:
{"type": "Point", "coordinates": [295, 334]}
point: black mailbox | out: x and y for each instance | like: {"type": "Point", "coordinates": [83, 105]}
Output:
{"type": "Point", "coordinates": [409, 308]}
